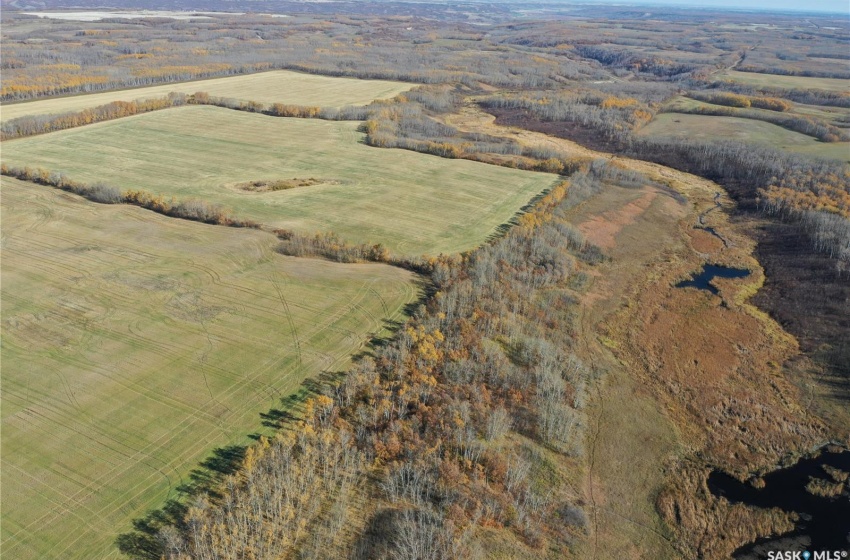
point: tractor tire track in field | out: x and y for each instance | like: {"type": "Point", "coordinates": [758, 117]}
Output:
{"type": "Point", "coordinates": [108, 442]}
{"type": "Point", "coordinates": [288, 315]}
{"type": "Point", "coordinates": [67, 260]}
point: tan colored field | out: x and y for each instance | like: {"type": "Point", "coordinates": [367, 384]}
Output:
{"type": "Point", "coordinates": [134, 344]}
{"type": "Point", "coordinates": [790, 82]}
{"type": "Point", "coordinates": [279, 86]}
{"type": "Point", "coordinates": [412, 203]}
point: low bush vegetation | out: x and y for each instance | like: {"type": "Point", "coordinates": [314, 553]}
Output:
{"type": "Point", "coordinates": [743, 101]}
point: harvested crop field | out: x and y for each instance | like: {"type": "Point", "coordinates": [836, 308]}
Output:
{"type": "Point", "coordinates": [134, 344]}
{"type": "Point", "coordinates": [277, 86]}
{"type": "Point", "coordinates": [412, 203]}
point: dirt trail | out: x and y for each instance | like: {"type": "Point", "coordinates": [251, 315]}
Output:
{"type": "Point", "coordinates": [688, 378]}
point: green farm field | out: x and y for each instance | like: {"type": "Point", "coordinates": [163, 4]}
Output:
{"type": "Point", "coordinates": [278, 86]}
{"type": "Point", "coordinates": [706, 127]}
{"type": "Point", "coordinates": [413, 203]}
{"type": "Point", "coordinates": [134, 344]}
{"type": "Point", "coordinates": [789, 82]}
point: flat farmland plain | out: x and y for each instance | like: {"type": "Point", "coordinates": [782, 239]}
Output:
{"type": "Point", "coordinates": [277, 86]}
{"type": "Point", "coordinates": [134, 344]}
{"type": "Point", "coordinates": [413, 203]}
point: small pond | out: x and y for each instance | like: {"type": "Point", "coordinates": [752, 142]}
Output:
{"type": "Point", "coordinates": [812, 488]}
{"type": "Point", "coordinates": [709, 272]}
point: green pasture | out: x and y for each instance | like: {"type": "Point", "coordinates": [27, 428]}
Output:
{"type": "Point", "coordinates": [413, 203]}
{"type": "Point", "coordinates": [134, 344]}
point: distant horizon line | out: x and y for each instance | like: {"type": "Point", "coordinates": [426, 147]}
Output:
{"type": "Point", "coordinates": [681, 4]}
{"type": "Point", "coordinates": [700, 5]}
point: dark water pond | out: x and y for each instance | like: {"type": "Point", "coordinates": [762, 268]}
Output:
{"type": "Point", "coordinates": [824, 522]}
{"type": "Point", "coordinates": [709, 273]}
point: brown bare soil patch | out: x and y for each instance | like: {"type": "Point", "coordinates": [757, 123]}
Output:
{"type": "Point", "coordinates": [603, 228]}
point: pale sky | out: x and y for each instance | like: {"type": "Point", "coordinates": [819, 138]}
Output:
{"type": "Point", "coordinates": [841, 6]}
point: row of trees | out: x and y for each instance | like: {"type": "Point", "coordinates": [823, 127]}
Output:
{"type": "Point", "coordinates": [798, 95]}
{"type": "Point", "coordinates": [41, 124]}
{"type": "Point", "coordinates": [743, 101]}
{"type": "Point", "coordinates": [191, 209]}
{"type": "Point", "coordinates": [330, 246]}
{"type": "Point", "coordinates": [441, 98]}
{"type": "Point", "coordinates": [799, 71]}
{"type": "Point", "coordinates": [423, 430]}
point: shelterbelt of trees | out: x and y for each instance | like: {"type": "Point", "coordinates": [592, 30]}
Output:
{"type": "Point", "coordinates": [192, 209]}
{"type": "Point", "coordinates": [448, 428]}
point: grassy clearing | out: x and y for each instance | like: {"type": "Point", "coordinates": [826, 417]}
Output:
{"type": "Point", "coordinates": [410, 202]}
{"type": "Point", "coordinates": [706, 127]}
{"type": "Point", "coordinates": [791, 82]}
{"type": "Point", "coordinates": [832, 115]}
{"type": "Point", "coordinates": [279, 86]}
{"type": "Point", "coordinates": [134, 344]}
{"type": "Point", "coordinates": [629, 438]}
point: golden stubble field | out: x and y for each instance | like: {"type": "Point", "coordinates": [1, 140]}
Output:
{"type": "Point", "coordinates": [133, 344]}
{"type": "Point", "coordinates": [412, 203]}
{"type": "Point", "coordinates": [277, 86]}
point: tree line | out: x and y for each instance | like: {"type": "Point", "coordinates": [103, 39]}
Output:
{"type": "Point", "coordinates": [797, 95]}
{"type": "Point", "coordinates": [191, 209]}
{"type": "Point", "coordinates": [40, 124]}
{"type": "Point", "coordinates": [443, 429]}
{"type": "Point", "coordinates": [742, 101]}
{"type": "Point", "coordinates": [767, 180]}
